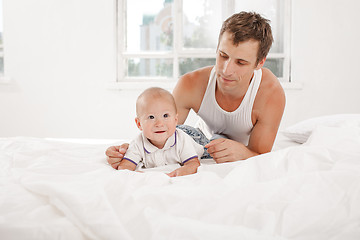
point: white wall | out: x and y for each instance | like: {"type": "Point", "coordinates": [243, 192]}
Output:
{"type": "Point", "coordinates": [60, 56]}
{"type": "Point", "coordinates": [325, 58]}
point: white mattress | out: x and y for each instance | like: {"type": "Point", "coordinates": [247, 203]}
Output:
{"type": "Point", "coordinates": [282, 142]}
{"type": "Point", "coordinates": [52, 189]}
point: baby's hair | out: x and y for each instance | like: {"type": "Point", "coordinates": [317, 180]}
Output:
{"type": "Point", "coordinates": [154, 92]}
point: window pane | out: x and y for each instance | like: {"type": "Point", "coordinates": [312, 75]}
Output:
{"type": "Point", "coordinates": [1, 22]}
{"type": "Point", "coordinates": [275, 65]}
{"type": "Point", "coordinates": [151, 67]}
{"type": "Point", "coordinates": [149, 25]}
{"type": "Point", "coordinates": [1, 65]}
{"type": "Point", "coordinates": [190, 64]}
{"type": "Point", "coordinates": [149, 28]}
{"type": "Point", "coordinates": [272, 10]}
{"type": "Point", "coordinates": [201, 23]}
{"type": "Point", "coordinates": [1, 40]}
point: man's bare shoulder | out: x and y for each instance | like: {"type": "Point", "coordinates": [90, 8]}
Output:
{"type": "Point", "coordinates": [193, 83]}
{"type": "Point", "coordinates": [198, 78]}
{"type": "Point", "coordinates": [271, 96]}
{"type": "Point", "coordinates": [270, 85]}
{"type": "Point", "coordinates": [190, 89]}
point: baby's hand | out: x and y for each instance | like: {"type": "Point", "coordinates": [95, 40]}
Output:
{"type": "Point", "coordinates": [189, 168]}
{"type": "Point", "coordinates": [177, 172]}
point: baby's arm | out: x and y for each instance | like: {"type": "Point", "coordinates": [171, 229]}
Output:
{"type": "Point", "coordinates": [190, 167]}
{"type": "Point", "coordinates": [126, 164]}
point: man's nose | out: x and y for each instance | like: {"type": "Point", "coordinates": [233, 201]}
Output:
{"type": "Point", "coordinates": [228, 68]}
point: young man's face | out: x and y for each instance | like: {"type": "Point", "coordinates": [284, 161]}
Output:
{"type": "Point", "coordinates": [157, 120]}
{"type": "Point", "coordinates": [236, 64]}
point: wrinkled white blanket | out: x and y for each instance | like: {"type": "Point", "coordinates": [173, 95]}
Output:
{"type": "Point", "coordinates": [58, 190]}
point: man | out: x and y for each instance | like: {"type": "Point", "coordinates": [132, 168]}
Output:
{"type": "Point", "coordinates": [236, 98]}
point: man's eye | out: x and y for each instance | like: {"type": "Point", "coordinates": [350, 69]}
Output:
{"type": "Point", "coordinates": [166, 115]}
{"type": "Point", "coordinates": [222, 55]}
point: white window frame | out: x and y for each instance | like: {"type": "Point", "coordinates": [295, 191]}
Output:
{"type": "Point", "coordinates": [124, 82]}
{"type": "Point", "coordinates": [3, 79]}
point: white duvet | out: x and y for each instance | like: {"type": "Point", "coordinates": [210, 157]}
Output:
{"type": "Point", "coordinates": [58, 190]}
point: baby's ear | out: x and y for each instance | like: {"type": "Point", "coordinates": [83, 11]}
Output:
{"type": "Point", "coordinates": [138, 124]}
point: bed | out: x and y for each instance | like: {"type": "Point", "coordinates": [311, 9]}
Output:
{"type": "Point", "coordinates": [308, 187]}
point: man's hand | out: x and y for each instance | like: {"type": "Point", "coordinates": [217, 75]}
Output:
{"type": "Point", "coordinates": [115, 154]}
{"type": "Point", "coordinates": [227, 150]}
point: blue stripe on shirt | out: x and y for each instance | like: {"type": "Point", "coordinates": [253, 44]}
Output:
{"type": "Point", "coordinates": [130, 161]}
{"type": "Point", "coordinates": [190, 158]}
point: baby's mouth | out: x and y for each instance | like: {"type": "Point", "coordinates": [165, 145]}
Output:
{"type": "Point", "coordinates": [159, 131]}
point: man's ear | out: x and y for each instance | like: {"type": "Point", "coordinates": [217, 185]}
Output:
{"type": "Point", "coordinates": [138, 124]}
{"type": "Point", "coordinates": [260, 64]}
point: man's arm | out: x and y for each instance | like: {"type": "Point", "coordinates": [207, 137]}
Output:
{"type": "Point", "coordinates": [267, 113]}
{"type": "Point", "coordinates": [189, 91]}
{"type": "Point", "coordinates": [265, 130]}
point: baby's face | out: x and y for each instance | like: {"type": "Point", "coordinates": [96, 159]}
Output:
{"type": "Point", "coordinates": [157, 119]}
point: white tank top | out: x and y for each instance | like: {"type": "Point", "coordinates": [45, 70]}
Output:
{"type": "Point", "coordinates": [236, 125]}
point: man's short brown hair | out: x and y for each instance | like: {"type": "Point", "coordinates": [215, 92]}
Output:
{"type": "Point", "coordinates": [246, 26]}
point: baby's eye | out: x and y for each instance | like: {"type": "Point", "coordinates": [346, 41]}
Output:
{"type": "Point", "coordinates": [166, 115]}
{"type": "Point", "coordinates": [151, 117]}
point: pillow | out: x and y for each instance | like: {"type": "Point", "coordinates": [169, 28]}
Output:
{"type": "Point", "coordinates": [301, 131]}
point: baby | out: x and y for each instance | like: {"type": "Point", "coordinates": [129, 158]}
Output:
{"type": "Point", "coordinates": [160, 143]}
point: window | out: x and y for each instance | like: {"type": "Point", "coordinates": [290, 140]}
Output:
{"type": "Point", "coordinates": [1, 41]}
{"type": "Point", "coordinates": [160, 40]}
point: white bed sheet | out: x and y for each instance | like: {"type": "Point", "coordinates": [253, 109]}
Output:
{"type": "Point", "coordinates": [56, 190]}
{"type": "Point", "coordinates": [282, 142]}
